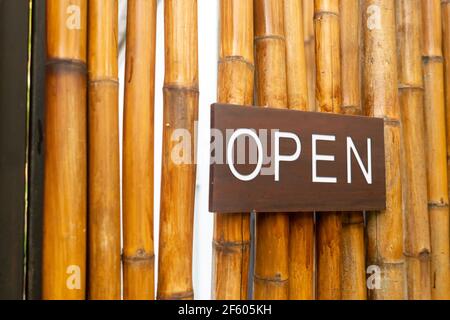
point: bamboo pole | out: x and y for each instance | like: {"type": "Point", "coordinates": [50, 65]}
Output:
{"type": "Point", "coordinates": [353, 271]}
{"type": "Point", "coordinates": [272, 230]}
{"type": "Point", "coordinates": [328, 97]}
{"type": "Point", "coordinates": [65, 180]}
{"type": "Point", "coordinates": [138, 135]}
{"type": "Point", "coordinates": [433, 66]}
{"type": "Point", "coordinates": [308, 29]}
{"type": "Point", "coordinates": [301, 226]}
{"type": "Point", "coordinates": [384, 228]}
{"type": "Point", "coordinates": [231, 243]}
{"type": "Point", "coordinates": [178, 177]}
{"type": "Point", "coordinates": [410, 83]}
{"type": "Point", "coordinates": [445, 6]}
{"type": "Point", "coordinates": [104, 169]}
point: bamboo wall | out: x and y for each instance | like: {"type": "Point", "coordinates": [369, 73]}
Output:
{"type": "Point", "coordinates": [378, 58]}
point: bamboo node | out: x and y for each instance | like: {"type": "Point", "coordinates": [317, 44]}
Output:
{"type": "Point", "coordinates": [404, 86]}
{"type": "Point", "coordinates": [270, 37]}
{"type": "Point", "coordinates": [68, 63]}
{"type": "Point", "coordinates": [422, 255]}
{"type": "Point", "coordinates": [391, 122]}
{"type": "Point", "coordinates": [239, 59]}
{"type": "Point", "coordinates": [277, 279]}
{"type": "Point", "coordinates": [320, 14]}
{"type": "Point", "coordinates": [181, 88]}
{"type": "Point", "coordinates": [230, 245]}
{"type": "Point", "coordinates": [435, 204]}
{"type": "Point", "coordinates": [140, 256]}
{"type": "Point", "coordinates": [177, 296]}
{"type": "Point", "coordinates": [430, 59]}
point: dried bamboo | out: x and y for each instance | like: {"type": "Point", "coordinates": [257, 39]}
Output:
{"type": "Point", "coordinates": [380, 99]}
{"type": "Point", "coordinates": [231, 243]}
{"type": "Point", "coordinates": [308, 29]}
{"type": "Point", "coordinates": [138, 252]}
{"type": "Point", "coordinates": [353, 271]}
{"type": "Point", "coordinates": [104, 168]}
{"type": "Point", "coordinates": [178, 177]}
{"type": "Point", "coordinates": [301, 226]}
{"type": "Point", "coordinates": [410, 83]}
{"type": "Point", "coordinates": [65, 180]}
{"type": "Point", "coordinates": [328, 97]}
{"type": "Point", "coordinates": [433, 66]}
{"type": "Point", "coordinates": [445, 6]}
{"type": "Point", "coordinates": [272, 230]}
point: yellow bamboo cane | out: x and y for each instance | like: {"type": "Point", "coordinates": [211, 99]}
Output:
{"type": "Point", "coordinates": [353, 271]}
{"type": "Point", "coordinates": [231, 243]}
{"type": "Point", "coordinates": [138, 133]}
{"type": "Point", "coordinates": [65, 179]}
{"type": "Point", "coordinates": [328, 97]}
{"type": "Point", "coordinates": [272, 230]}
{"type": "Point", "coordinates": [433, 66]}
{"type": "Point", "coordinates": [178, 175]}
{"type": "Point", "coordinates": [410, 81]}
{"type": "Point", "coordinates": [384, 228]}
{"type": "Point", "coordinates": [104, 171]}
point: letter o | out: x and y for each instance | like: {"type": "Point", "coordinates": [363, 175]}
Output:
{"type": "Point", "coordinates": [230, 147]}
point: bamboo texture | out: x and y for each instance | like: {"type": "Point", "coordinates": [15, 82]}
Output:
{"type": "Point", "coordinates": [353, 278]}
{"type": "Point", "coordinates": [329, 99]}
{"type": "Point", "coordinates": [104, 169]}
{"type": "Point", "coordinates": [445, 5]}
{"type": "Point", "coordinates": [178, 177]}
{"type": "Point", "coordinates": [231, 243]}
{"type": "Point", "coordinates": [433, 66]}
{"type": "Point", "coordinates": [65, 180]}
{"type": "Point", "coordinates": [380, 99]}
{"type": "Point", "coordinates": [138, 158]}
{"type": "Point", "coordinates": [301, 226]}
{"type": "Point", "coordinates": [308, 29]}
{"type": "Point", "coordinates": [272, 230]}
{"type": "Point", "coordinates": [410, 83]}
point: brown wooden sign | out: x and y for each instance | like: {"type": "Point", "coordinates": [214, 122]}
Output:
{"type": "Point", "coordinates": [273, 160]}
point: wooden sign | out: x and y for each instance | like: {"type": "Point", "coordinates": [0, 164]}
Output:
{"type": "Point", "coordinates": [274, 160]}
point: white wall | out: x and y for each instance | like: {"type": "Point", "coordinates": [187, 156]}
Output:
{"type": "Point", "coordinates": [208, 52]}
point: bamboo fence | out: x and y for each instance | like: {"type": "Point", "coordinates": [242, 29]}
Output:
{"type": "Point", "coordinates": [388, 59]}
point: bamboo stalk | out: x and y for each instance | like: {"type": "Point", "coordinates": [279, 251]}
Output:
{"type": "Point", "coordinates": [384, 228]}
{"type": "Point", "coordinates": [138, 251]}
{"type": "Point", "coordinates": [445, 6]}
{"type": "Point", "coordinates": [65, 192]}
{"type": "Point", "coordinates": [410, 83]}
{"type": "Point", "coordinates": [328, 97]}
{"type": "Point", "coordinates": [104, 169]}
{"type": "Point", "coordinates": [308, 28]}
{"type": "Point", "coordinates": [178, 178]}
{"type": "Point", "coordinates": [353, 272]}
{"type": "Point", "coordinates": [231, 243]}
{"type": "Point", "coordinates": [301, 226]}
{"type": "Point", "coordinates": [433, 66]}
{"type": "Point", "coordinates": [272, 230]}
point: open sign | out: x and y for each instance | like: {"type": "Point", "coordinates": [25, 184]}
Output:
{"type": "Point", "coordinates": [272, 160]}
